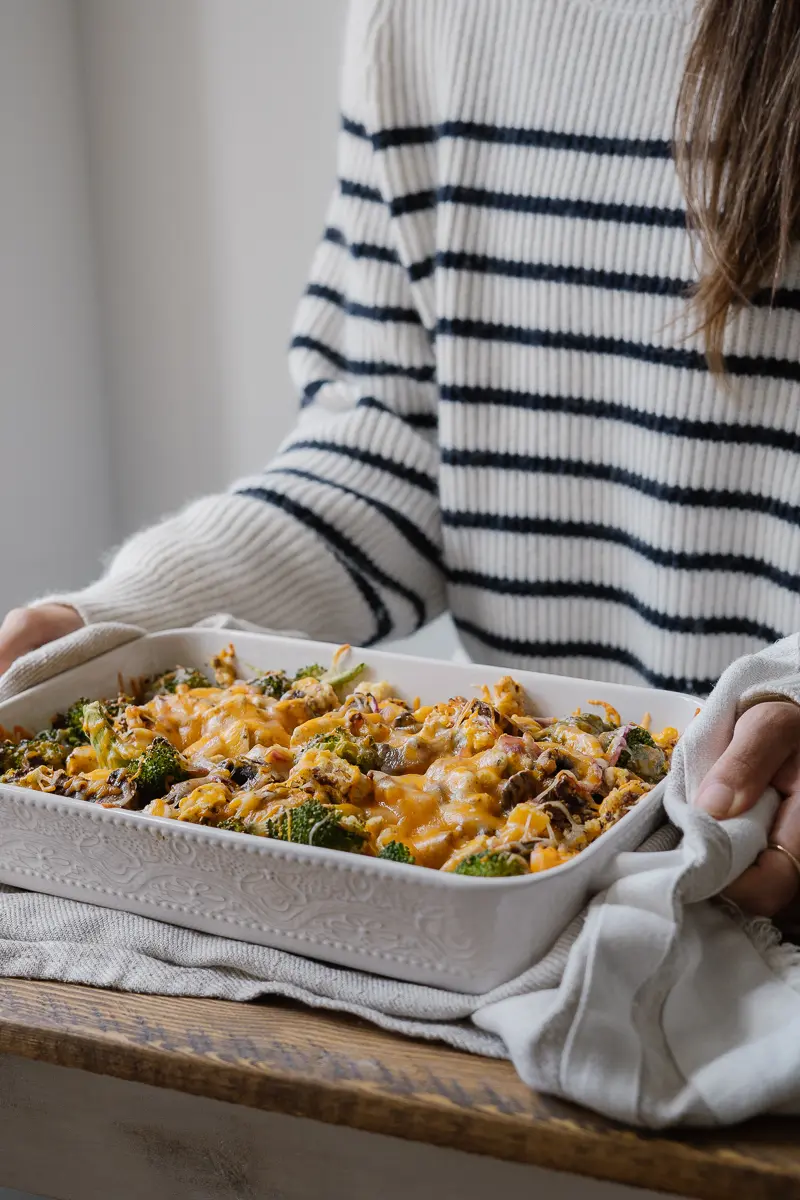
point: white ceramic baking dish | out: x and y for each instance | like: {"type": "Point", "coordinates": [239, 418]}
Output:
{"type": "Point", "coordinates": [405, 922]}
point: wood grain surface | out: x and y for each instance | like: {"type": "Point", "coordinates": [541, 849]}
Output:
{"type": "Point", "coordinates": [280, 1058]}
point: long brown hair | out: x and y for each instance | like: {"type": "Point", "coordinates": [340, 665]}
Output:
{"type": "Point", "coordinates": [737, 148]}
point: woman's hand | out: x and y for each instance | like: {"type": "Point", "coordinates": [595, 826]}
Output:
{"type": "Point", "coordinates": [765, 749]}
{"type": "Point", "coordinates": [27, 629]}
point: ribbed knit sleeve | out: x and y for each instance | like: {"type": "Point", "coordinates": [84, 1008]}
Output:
{"type": "Point", "coordinates": [340, 535]}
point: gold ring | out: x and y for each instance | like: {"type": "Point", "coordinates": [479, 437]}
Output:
{"type": "Point", "coordinates": [795, 862]}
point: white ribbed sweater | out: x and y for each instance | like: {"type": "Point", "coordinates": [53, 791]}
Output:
{"type": "Point", "coordinates": [505, 411]}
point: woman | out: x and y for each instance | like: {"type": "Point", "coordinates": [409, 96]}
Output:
{"type": "Point", "coordinates": [529, 394]}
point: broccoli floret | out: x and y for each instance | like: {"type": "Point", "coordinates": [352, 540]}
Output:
{"type": "Point", "coordinates": [315, 824]}
{"type": "Point", "coordinates": [638, 736]}
{"type": "Point", "coordinates": [70, 725]}
{"type": "Point", "coordinates": [73, 723]}
{"type": "Point", "coordinates": [48, 749]}
{"type": "Point", "coordinates": [155, 771]}
{"type": "Point", "coordinates": [51, 748]}
{"type": "Point", "coordinates": [642, 756]}
{"type": "Point", "coordinates": [9, 756]}
{"type": "Point", "coordinates": [277, 683]}
{"type": "Point", "coordinates": [234, 825]}
{"type": "Point", "coordinates": [313, 671]}
{"type": "Point", "coordinates": [361, 753]}
{"type": "Point", "coordinates": [492, 864]}
{"type": "Point", "coordinates": [171, 680]}
{"type": "Point", "coordinates": [274, 684]}
{"type": "Point", "coordinates": [397, 852]}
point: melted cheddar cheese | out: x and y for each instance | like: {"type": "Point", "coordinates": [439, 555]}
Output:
{"type": "Point", "coordinates": [474, 785]}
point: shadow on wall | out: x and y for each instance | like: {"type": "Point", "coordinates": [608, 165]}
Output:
{"type": "Point", "coordinates": [54, 485]}
{"type": "Point", "coordinates": [212, 130]}
{"type": "Point", "coordinates": [160, 206]}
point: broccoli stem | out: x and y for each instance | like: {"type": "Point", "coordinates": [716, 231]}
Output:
{"type": "Point", "coordinates": [338, 679]}
{"type": "Point", "coordinates": [98, 728]}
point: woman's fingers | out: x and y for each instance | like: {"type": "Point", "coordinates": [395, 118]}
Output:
{"type": "Point", "coordinates": [764, 750]}
{"type": "Point", "coordinates": [766, 888]}
{"type": "Point", "coordinates": [773, 882]}
{"type": "Point", "coordinates": [27, 629]}
{"type": "Point", "coordinates": [764, 740]}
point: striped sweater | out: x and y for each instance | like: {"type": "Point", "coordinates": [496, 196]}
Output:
{"type": "Point", "coordinates": [505, 409]}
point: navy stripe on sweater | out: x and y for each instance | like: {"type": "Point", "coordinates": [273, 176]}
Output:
{"type": "Point", "coordinates": [353, 366]}
{"type": "Point", "coordinates": [370, 250]}
{"type": "Point", "coordinates": [310, 391]}
{"type": "Point", "coordinates": [420, 541]}
{"type": "Point", "coordinates": [338, 545]}
{"type": "Point", "coordinates": [347, 551]}
{"type": "Point", "coordinates": [664, 356]}
{"type": "Point", "coordinates": [369, 312]}
{"type": "Point", "coordinates": [370, 458]}
{"type": "Point", "coordinates": [360, 249]}
{"type": "Point", "coordinates": [417, 420]}
{"type": "Point", "coordinates": [360, 191]}
{"type": "Point", "coordinates": [713, 431]}
{"type": "Point", "coordinates": [560, 589]}
{"type": "Point", "coordinates": [679, 560]}
{"type": "Point", "coordinates": [422, 269]}
{"type": "Point", "coordinates": [655, 488]}
{"type": "Point", "coordinates": [595, 650]}
{"type": "Point", "coordinates": [548, 206]}
{"type": "Point", "coordinates": [619, 281]}
{"type": "Point", "coordinates": [509, 135]}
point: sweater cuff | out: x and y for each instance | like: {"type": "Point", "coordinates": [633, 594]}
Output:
{"type": "Point", "coordinates": [226, 554]}
{"type": "Point", "coordinates": [120, 600]}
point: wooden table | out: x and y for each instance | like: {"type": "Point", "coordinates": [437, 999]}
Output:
{"type": "Point", "coordinates": [103, 1093]}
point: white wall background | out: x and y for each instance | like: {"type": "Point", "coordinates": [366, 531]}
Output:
{"type": "Point", "coordinates": [54, 469]}
{"type": "Point", "coordinates": [170, 166]}
{"type": "Point", "coordinates": [149, 171]}
{"type": "Point", "coordinates": [212, 142]}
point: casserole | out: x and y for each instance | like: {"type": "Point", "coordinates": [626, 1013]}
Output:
{"type": "Point", "coordinates": [431, 927]}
